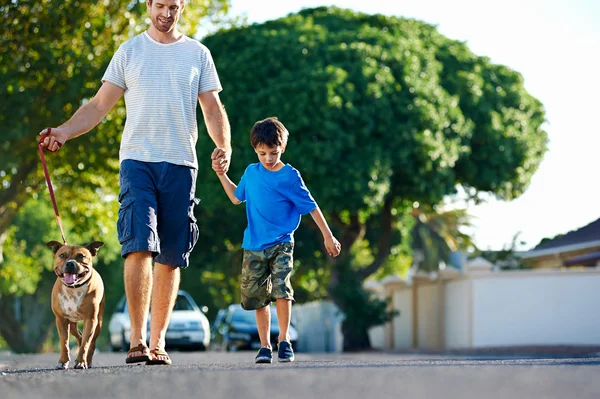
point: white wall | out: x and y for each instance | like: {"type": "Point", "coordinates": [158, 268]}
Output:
{"type": "Point", "coordinates": [429, 316]}
{"type": "Point", "coordinates": [402, 325]}
{"type": "Point", "coordinates": [536, 308]}
{"type": "Point", "coordinates": [457, 311]}
{"type": "Point", "coordinates": [319, 327]}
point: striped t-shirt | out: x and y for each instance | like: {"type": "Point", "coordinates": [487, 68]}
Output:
{"type": "Point", "coordinates": [162, 83]}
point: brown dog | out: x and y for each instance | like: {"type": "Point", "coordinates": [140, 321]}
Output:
{"type": "Point", "coordinates": [78, 295]}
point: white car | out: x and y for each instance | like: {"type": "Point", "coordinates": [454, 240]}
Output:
{"type": "Point", "coordinates": [188, 329]}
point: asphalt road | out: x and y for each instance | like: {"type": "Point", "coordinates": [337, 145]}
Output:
{"type": "Point", "coordinates": [216, 375]}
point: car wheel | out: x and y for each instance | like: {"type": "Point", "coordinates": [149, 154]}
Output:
{"type": "Point", "coordinates": [198, 348]}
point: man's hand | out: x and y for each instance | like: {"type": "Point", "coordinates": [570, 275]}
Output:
{"type": "Point", "coordinates": [54, 140]}
{"type": "Point", "coordinates": [220, 161]}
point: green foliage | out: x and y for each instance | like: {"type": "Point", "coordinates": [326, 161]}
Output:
{"type": "Point", "coordinates": [25, 255]}
{"type": "Point", "coordinates": [438, 233]}
{"type": "Point", "coordinates": [387, 103]}
{"type": "Point", "coordinates": [382, 112]}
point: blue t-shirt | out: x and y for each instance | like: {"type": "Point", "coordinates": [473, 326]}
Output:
{"type": "Point", "coordinates": [275, 202]}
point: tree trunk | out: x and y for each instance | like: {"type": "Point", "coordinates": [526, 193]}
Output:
{"type": "Point", "coordinates": [355, 338]}
{"type": "Point", "coordinates": [344, 289]}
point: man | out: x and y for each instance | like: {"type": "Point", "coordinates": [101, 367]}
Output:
{"type": "Point", "coordinates": [162, 73]}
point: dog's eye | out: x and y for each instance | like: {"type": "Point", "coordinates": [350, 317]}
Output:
{"type": "Point", "coordinates": [62, 256]}
{"type": "Point", "coordinates": [80, 256]}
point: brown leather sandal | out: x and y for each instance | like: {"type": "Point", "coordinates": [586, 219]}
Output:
{"type": "Point", "coordinates": [155, 353]}
{"type": "Point", "coordinates": [140, 358]}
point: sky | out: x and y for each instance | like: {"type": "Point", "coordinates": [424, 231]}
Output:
{"type": "Point", "coordinates": [555, 45]}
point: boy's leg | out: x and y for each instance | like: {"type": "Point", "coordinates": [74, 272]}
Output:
{"type": "Point", "coordinates": [281, 269]}
{"type": "Point", "coordinates": [284, 314]}
{"type": "Point", "coordinates": [256, 295]}
{"type": "Point", "coordinates": [263, 322]}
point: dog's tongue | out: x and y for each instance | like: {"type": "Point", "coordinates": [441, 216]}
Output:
{"type": "Point", "coordinates": [70, 278]}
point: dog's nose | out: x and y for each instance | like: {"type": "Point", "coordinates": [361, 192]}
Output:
{"type": "Point", "coordinates": [71, 267]}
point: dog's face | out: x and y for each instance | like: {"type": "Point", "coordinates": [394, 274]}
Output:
{"type": "Point", "coordinates": [73, 263]}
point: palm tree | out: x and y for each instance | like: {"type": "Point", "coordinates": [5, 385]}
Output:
{"type": "Point", "coordinates": [436, 234]}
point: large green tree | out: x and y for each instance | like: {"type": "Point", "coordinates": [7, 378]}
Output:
{"type": "Point", "coordinates": [383, 112]}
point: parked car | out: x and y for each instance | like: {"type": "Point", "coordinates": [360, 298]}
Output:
{"type": "Point", "coordinates": [235, 329]}
{"type": "Point", "coordinates": [188, 329]}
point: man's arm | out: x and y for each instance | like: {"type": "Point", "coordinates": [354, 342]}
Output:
{"type": "Point", "coordinates": [217, 125]}
{"type": "Point", "coordinates": [86, 117]}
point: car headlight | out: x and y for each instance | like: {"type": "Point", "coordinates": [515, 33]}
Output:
{"type": "Point", "coordinates": [240, 336]}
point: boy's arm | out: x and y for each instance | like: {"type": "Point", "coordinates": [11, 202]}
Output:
{"type": "Point", "coordinates": [331, 243]}
{"type": "Point", "coordinates": [229, 187]}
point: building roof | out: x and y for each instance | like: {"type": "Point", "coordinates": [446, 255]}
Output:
{"type": "Point", "coordinates": [588, 233]}
{"type": "Point", "coordinates": [590, 259]}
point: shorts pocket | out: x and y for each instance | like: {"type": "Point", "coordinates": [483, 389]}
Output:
{"type": "Point", "coordinates": [194, 230]}
{"type": "Point", "coordinates": [125, 221]}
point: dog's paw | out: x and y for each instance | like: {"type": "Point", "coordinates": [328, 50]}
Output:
{"type": "Point", "coordinates": [62, 366]}
{"type": "Point", "coordinates": [81, 365]}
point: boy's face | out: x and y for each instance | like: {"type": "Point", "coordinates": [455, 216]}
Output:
{"type": "Point", "coordinates": [270, 157]}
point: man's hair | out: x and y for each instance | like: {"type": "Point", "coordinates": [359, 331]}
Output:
{"type": "Point", "coordinates": [180, 1]}
{"type": "Point", "coordinates": [269, 132]}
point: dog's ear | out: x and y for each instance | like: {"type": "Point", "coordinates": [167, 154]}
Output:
{"type": "Point", "coordinates": [93, 247]}
{"type": "Point", "coordinates": [55, 245]}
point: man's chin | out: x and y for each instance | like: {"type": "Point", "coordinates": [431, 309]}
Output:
{"type": "Point", "coordinates": [164, 28]}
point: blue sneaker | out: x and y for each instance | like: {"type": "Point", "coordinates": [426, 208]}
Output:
{"type": "Point", "coordinates": [264, 355]}
{"type": "Point", "coordinates": [285, 353]}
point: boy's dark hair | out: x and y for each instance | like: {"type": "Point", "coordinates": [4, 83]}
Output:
{"type": "Point", "coordinates": [270, 132]}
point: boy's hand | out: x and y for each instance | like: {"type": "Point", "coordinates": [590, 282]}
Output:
{"type": "Point", "coordinates": [333, 246]}
{"type": "Point", "coordinates": [220, 161]}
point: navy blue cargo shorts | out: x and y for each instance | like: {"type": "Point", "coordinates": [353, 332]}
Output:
{"type": "Point", "coordinates": [157, 211]}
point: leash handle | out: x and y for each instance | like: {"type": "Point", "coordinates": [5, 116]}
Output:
{"type": "Point", "coordinates": [49, 184]}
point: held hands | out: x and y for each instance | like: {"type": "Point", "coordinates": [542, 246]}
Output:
{"type": "Point", "coordinates": [333, 246]}
{"type": "Point", "coordinates": [52, 139]}
{"type": "Point", "coordinates": [220, 161]}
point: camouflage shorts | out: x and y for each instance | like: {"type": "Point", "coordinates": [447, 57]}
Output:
{"type": "Point", "coordinates": [266, 275]}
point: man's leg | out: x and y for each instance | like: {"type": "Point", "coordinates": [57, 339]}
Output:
{"type": "Point", "coordinates": [263, 322]}
{"type": "Point", "coordinates": [138, 285]}
{"type": "Point", "coordinates": [284, 314]}
{"type": "Point", "coordinates": [165, 287]}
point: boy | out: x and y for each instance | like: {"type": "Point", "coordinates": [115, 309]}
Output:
{"type": "Point", "coordinates": [276, 198]}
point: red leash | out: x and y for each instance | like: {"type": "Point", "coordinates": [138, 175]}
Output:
{"type": "Point", "coordinates": [49, 183]}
